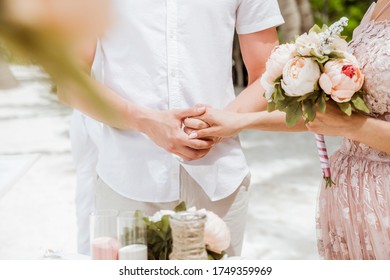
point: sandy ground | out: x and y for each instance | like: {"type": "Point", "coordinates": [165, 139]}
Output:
{"type": "Point", "coordinates": [39, 212]}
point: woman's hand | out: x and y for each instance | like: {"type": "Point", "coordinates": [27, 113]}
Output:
{"type": "Point", "coordinates": [335, 123]}
{"type": "Point", "coordinates": [216, 124]}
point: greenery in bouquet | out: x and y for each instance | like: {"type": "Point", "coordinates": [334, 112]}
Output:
{"type": "Point", "coordinates": [302, 76]}
{"type": "Point", "coordinates": [159, 234]}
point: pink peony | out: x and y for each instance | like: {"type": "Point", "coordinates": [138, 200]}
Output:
{"type": "Point", "coordinates": [216, 233]}
{"type": "Point", "coordinates": [341, 79]}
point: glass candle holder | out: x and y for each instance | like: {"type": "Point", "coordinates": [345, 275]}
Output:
{"type": "Point", "coordinates": [132, 236]}
{"type": "Point", "coordinates": [188, 236]}
{"type": "Point", "coordinates": [104, 243]}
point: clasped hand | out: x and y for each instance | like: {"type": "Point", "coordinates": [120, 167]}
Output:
{"type": "Point", "coordinates": [189, 133]}
{"type": "Point", "coordinates": [166, 129]}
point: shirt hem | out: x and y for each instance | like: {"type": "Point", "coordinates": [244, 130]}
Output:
{"type": "Point", "coordinates": [137, 198]}
{"type": "Point", "coordinates": [245, 174]}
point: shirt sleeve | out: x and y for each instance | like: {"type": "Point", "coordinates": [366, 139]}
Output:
{"type": "Point", "coordinates": [257, 15]}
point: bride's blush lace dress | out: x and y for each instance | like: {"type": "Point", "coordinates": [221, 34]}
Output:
{"type": "Point", "coordinates": [353, 219]}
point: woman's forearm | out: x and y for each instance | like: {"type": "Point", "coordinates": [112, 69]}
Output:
{"type": "Point", "coordinates": [252, 108]}
{"type": "Point", "coordinates": [274, 121]}
{"type": "Point", "coordinates": [249, 100]}
{"type": "Point", "coordinates": [372, 132]}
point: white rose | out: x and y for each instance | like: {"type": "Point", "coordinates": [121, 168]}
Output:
{"type": "Point", "coordinates": [267, 86]}
{"type": "Point", "coordinates": [309, 44]}
{"type": "Point", "coordinates": [216, 233]}
{"type": "Point", "coordinates": [300, 76]}
{"type": "Point", "coordinates": [278, 59]}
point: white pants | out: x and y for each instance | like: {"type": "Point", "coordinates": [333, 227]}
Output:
{"type": "Point", "coordinates": [84, 151]}
{"type": "Point", "coordinates": [232, 209]}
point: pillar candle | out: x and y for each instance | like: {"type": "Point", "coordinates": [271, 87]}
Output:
{"type": "Point", "coordinates": [134, 252]}
{"type": "Point", "coordinates": [104, 248]}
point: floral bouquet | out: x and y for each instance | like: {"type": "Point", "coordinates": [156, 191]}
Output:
{"type": "Point", "coordinates": [301, 77]}
{"type": "Point", "coordinates": [159, 234]}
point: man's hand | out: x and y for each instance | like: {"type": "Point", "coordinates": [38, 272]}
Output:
{"type": "Point", "coordinates": [165, 128]}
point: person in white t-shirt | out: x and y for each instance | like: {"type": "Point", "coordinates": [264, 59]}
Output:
{"type": "Point", "coordinates": [159, 59]}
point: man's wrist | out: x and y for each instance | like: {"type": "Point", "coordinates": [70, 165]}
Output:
{"type": "Point", "coordinates": [139, 117]}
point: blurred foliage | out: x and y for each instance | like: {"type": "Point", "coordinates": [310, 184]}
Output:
{"type": "Point", "coordinates": [35, 46]}
{"type": "Point", "coordinates": [329, 11]}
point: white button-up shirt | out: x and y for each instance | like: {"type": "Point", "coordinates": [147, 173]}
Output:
{"type": "Point", "coordinates": [172, 54]}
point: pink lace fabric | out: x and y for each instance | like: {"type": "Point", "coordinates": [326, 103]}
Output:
{"type": "Point", "coordinates": [353, 220]}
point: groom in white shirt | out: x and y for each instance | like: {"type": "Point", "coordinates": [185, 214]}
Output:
{"type": "Point", "coordinates": [163, 56]}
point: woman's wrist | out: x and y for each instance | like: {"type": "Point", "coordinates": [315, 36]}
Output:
{"type": "Point", "coordinates": [356, 128]}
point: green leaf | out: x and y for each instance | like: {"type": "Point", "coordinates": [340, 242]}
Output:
{"type": "Point", "coordinates": [278, 94]}
{"type": "Point", "coordinates": [163, 256]}
{"type": "Point", "coordinates": [321, 59]}
{"type": "Point", "coordinates": [180, 207]}
{"type": "Point", "coordinates": [337, 54]}
{"type": "Point", "coordinates": [315, 29]}
{"type": "Point", "coordinates": [359, 104]}
{"type": "Point", "coordinates": [322, 103]}
{"type": "Point", "coordinates": [146, 221]}
{"type": "Point", "coordinates": [283, 104]}
{"type": "Point", "coordinates": [346, 108]}
{"type": "Point", "coordinates": [310, 95]}
{"type": "Point", "coordinates": [271, 106]}
{"type": "Point", "coordinates": [309, 110]}
{"type": "Point", "coordinates": [165, 223]}
{"type": "Point", "coordinates": [214, 256]}
{"type": "Point", "coordinates": [293, 114]}
{"type": "Point", "coordinates": [138, 214]}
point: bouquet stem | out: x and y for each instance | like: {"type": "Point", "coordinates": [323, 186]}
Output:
{"type": "Point", "coordinates": [324, 159]}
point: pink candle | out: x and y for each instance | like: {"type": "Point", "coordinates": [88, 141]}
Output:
{"type": "Point", "coordinates": [104, 248]}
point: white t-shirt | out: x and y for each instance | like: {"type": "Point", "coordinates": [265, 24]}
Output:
{"type": "Point", "coordinates": [171, 54]}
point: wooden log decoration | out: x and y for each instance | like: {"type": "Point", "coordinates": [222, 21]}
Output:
{"type": "Point", "coordinates": [298, 17]}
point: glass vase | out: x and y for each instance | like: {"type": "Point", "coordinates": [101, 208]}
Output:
{"type": "Point", "coordinates": [188, 236]}
{"type": "Point", "coordinates": [132, 237]}
{"type": "Point", "coordinates": [104, 243]}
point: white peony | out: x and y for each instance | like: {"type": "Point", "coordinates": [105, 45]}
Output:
{"type": "Point", "coordinates": [337, 44]}
{"type": "Point", "coordinates": [300, 76]}
{"type": "Point", "coordinates": [278, 59]}
{"type": "Point", "coordinates": [309, 44]}
{"type": "Point", "coordinates": [267, 86]}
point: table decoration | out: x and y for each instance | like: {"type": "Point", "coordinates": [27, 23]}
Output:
{"type": "Point", "coordinates": [132, 236]}
{"type": "Point", "coordinates": [160, 240]}
{"type": "Point", "coordinates": [104, 243]}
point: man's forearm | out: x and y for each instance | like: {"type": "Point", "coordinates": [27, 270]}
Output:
{"type": "Point", "coordinates": [102, 104]}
